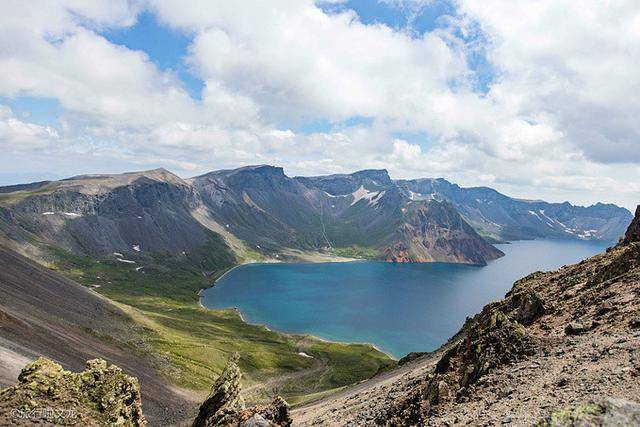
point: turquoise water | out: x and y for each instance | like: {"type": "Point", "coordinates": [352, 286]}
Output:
{"type": "Point", "coordinates": [398, 307]}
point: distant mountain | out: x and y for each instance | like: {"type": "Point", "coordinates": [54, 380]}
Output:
{"type": "Point", "coordinates": [504, 218]}
{"type": "Point", "coordinates": [261, 211]}
{"type": "Point", "coordinates": [140, 213]}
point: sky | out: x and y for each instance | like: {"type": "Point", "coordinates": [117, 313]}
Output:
{"type": "Point", "coordinates": [537, 99]}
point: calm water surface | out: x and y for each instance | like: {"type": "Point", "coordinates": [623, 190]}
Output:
{"type": "Point", "coordinates": [398, 307]}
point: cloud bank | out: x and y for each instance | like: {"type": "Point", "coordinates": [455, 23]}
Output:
{"type": "Point", "coordinates": [316, 90]}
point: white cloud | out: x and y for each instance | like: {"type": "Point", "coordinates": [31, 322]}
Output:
{"type": "Point", "coordinates": [559, 114]}
{"type": "Point", "coordinates": [22, 136]}
{"type": "Point", "coordinates": [571, 65]}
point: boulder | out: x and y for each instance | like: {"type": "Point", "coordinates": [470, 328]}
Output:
{"type": "Point", "coordinates": [577, 328]}
{"type": "Point", "coordinates": [102, 395]}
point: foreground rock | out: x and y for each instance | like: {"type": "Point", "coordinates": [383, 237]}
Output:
{"type": "Point", "coordinates": [47, 394]}
{"type": "Point", "coordinates": [225, 406]}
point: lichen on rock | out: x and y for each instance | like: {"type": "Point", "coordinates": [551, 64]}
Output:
{"type": "Point", "coordinates": [46, 393]}
{"type": "Point", "coordinates": [225, 405]}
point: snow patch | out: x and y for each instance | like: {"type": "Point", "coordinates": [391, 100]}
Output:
{"type": "Point", "coordinates": [48, 213]}
{"type": "Point", "coordinates": [127, 261]}
{"type": "Point", "coordinates": [303, 354]}
{"type": "Point", "coordinates": [72, 214]}
{"type": "Point", "coordinates": [136, 248]}
{"type": "Point", "coordinates": [118, 254]}
{"type": "Point", "coordinates": [139, 268]}
{"type": "Point", "coordinates": [362, 193]}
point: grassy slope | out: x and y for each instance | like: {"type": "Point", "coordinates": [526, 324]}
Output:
{"type": "Point", "coordinates": [197, 342]}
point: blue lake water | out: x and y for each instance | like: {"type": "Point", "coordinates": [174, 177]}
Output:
{"type": "Point", "coordinates": [398, 307]}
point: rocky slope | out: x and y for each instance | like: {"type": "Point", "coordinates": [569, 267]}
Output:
{"type": "Point", "coordinates": [562, 348]}
{"type": "Point", "coordinates": [131, 214]}
{"type": "Point", "coordinates": [45, 314]}
{"type": "Point", "coordinates": [434, 231]}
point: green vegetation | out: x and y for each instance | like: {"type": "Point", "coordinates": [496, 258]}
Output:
{"type": "Point", "coordinates": [357, 252]}
{"type": "Point", "coordinates": [162, 297]}
{"type": "Point", "coordinates": [20, 195]}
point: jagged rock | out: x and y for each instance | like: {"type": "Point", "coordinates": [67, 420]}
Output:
{"type": "Point", "coordinates": [633, 232]}
{"type": "Point", "coordinates": [101, 395]}
{"type": "Point", "coordinates": [224, 401]}
{"type": "Point", "coordinates": [530, 308]}
{"type": "Point", "coordinates": [225, 405]}
{"type": "Point", "coordinates": [576, 328]}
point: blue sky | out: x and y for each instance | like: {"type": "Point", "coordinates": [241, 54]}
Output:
{"type": "Point", "coordinates": [531, 101]}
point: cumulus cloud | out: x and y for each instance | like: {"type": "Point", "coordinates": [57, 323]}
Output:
{"type": "Point", "coordinates": [558, 115]}
{"type": "Point", "coordinates": [23, 136]}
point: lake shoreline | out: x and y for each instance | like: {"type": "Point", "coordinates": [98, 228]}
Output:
{"type": "Point", "coordinates": [399, 308]}
{"type": "Point", "coordinates": [324, 260]}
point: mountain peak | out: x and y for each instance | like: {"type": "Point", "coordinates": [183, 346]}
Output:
{"type": "Point", "coordinates": [380, 175]}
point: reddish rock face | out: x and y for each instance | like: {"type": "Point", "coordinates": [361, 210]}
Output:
{"type": "Point", "coordinates": [397, 253]}
{"type": "Point", "coordinates": [633, 232]}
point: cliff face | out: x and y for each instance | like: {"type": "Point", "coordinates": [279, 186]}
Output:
{"type": "Point", "coordinates": [137, 213]}
{"type": "Point", "coordinates": [505, 218]}
{"type": "Point", "coordinates": [434, 231]}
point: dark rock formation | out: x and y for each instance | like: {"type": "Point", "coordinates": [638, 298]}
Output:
{"type": "Point", "coordinates": [225, 406]}
{"type": "Point", "coordinates": [633, 232]}
{"type": "Point", "coordinates": [46, 394]}
{"type": "Point", "coordinates": [435, 231]}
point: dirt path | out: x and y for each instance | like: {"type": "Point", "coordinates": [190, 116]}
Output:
{"type": "Point", "coordinates": [274, 383]}
{"type": "Point", "coordinates": [354, 398]}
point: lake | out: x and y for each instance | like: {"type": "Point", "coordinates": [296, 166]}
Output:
{"type": "Point", "coordinates": [397, 307]}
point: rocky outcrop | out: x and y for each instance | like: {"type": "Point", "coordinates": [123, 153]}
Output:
{"type": "Point", "coordinates": [633, 232]}
{"type": "Point", "coordinates": [225, 405]}
{"type": "Point", "coordinates": [47, 394]}
{"type": "Point", "coordinates": [435, 231]}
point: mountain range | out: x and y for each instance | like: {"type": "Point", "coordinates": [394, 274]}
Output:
{"type": "Point", "coordinates": [261, 213]}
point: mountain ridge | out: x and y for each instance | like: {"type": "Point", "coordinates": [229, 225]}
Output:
{"type": "Point", "coordinates": [260, 212]}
